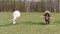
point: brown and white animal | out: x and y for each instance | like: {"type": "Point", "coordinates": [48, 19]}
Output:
{"type": "Point", "coordinates": [47, 17]}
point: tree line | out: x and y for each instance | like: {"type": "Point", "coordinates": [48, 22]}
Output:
{"type": "Point", "coordinates": [27, 6]}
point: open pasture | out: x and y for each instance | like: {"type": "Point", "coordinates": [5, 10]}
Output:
{"type": "Point", "coordinates": [29, 23]}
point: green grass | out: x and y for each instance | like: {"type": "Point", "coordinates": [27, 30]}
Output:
{"type": "Point", "coordinates": [29, 23]}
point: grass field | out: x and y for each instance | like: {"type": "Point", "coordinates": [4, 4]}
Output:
{"type": "Point", "coordinates": [29, 23]}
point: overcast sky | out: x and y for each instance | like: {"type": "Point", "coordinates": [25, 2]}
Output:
{"type": "Point", "coordinates": [22, 0]}
{"type": "Point", "coordinates": [31, 0]}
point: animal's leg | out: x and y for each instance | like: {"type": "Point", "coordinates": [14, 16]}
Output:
{"type": "Point", "coordinates": [14, 20]}
{"type": "Point", "coordinates": [48, 21]}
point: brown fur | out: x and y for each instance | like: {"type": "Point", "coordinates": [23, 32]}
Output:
{"type": "Point", "coordinates": [47, 17]}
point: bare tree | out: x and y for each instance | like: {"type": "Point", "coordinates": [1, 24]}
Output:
{"type": "Point", "coordinates": [27, 6]}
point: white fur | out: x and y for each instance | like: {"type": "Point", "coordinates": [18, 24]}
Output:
{"type": "Point", "coordinates": [16, 15]}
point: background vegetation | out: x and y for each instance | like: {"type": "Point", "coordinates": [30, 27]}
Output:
{"type": "Point", "coordinates": [27, 6]}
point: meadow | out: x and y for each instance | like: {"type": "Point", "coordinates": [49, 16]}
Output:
{"type": "Point", "coordinates": [29, 23]}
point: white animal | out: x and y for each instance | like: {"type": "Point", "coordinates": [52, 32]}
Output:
{"type": "Point", "coordinates": [16, 15]}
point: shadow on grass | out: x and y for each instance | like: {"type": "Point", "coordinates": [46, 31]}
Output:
{"type": "Point", "coordinates": [26, 23]}
{"type": "Point", "coordinates": [7, 25]}
{"type": "Point", "coordinates": [57, 22]}
{"type": "Point", "coordinates": [34, 23]}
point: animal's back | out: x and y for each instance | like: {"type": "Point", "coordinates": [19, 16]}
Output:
{"type": "Point", "coordinates": [16, 13]}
